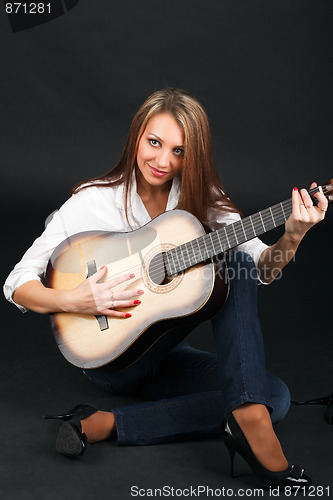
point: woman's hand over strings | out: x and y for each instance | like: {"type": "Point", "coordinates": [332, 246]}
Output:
{"type": "Point", "coordinates": [92, 297]}
{"type": "Point", "coordinates": [304, 213]}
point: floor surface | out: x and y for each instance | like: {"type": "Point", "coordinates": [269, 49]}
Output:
{"type": "Point", "coordinates": [35, 379]}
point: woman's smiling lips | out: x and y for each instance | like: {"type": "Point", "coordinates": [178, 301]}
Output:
{"type": "Point", "coordinates": [157, 173]}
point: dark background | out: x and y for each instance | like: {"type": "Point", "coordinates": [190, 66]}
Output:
{"type": "Point", "coordinates": [69, 88]}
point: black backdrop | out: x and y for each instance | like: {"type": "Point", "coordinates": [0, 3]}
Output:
{"type": "Point", "coordinates": [263, 70]}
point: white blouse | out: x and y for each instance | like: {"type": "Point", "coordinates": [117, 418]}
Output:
{"type": "Point", "coordinates": [100, 208]}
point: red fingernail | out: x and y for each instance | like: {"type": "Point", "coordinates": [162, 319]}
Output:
{"type": "Point", "coordinates": [132, 275]}
{"type": "Point", "coordinates": [137, 302]}
{"type": "Point", "coordinates": [102, 268]}
{"type": "Point", "coordinates": [295, 188]}
{"type": "Point", "coordinates": [128, 315]}
{"type": "Point", "coordinates": [139, 292]}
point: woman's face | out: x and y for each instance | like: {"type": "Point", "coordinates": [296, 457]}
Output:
{"type": "Point", "coordinates": [161, 150]}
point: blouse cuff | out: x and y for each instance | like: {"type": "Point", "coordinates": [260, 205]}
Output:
{"type": "Point", "coordinates": [10, 287]}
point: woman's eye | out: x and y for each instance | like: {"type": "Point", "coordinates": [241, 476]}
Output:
{"type": "Point", "coordinates": [178, 151]}
{"type": "Point", "coordinates": [153, 142]}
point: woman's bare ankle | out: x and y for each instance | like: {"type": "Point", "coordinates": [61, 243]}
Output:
{"type": "Point", "coordinates": [255, 422]}
{"type": "Point", "coordinates": [99, 426]}
{"type": "Point", "coordinates": [251, 413]}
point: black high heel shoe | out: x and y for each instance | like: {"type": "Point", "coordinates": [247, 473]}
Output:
{"type": "Point", "coordinates": [236, 442]}
{"type": "Point", "coordinates": [71, 441]}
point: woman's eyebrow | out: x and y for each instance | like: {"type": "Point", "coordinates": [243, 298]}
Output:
{"type": "Point", "coordinates": [159, 139]}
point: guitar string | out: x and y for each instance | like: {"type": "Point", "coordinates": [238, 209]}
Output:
{"type": "Point", "coordinates": [266, 215]}
{"type": "Point", "coordinates": [200, 247]}
{"type": "Point", "coordinates": [242, 226]}
{"type": "Point", "coordinates": [276, 213]}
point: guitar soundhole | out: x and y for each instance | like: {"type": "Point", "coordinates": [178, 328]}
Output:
{"type": "Point", "coordinates": [157, 272]}
{"type": "Point", "coordinates": [154, 274]}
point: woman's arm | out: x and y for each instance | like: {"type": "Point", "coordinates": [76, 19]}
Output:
{"type": "Point", "coordinates": [35, 296]}
{"type": "Point", "coordinates": [91, 209]}
{"type": "Point", "coordinates": [304, 215]}
{"type": "Point", "coordinates": [90, 297]}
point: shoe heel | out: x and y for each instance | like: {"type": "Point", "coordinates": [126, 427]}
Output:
{"type": "Point", "coordinates": [71, 441]}
{"type": "Point", "coordinates": [292, 476]}
{"type": "Point", "coordinates": [231, 449]}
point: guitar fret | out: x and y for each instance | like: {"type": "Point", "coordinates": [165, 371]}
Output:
{"type": "Point", "coordinates": [180, 257]}
{"type": "Point", "coordinates": [182, 263]}
{"type": "Point", "coordinates": [213, 242]}
{"type": "Point", "coordinates": [168, 266]}
{"type": "Point", "coordinates": [226, 235]}
{"type": "Point", "coordinates": [197, 242]}
{"type": "Point", "coordinates": [233, 227]}
{"type": "Point", "coordinates": [193, 252]}
{"type": "Point", "coordinates": [252, 226]}
{"type": "Point", "coordinates": [267, 219]}
{"type": "Point", "coordinates": [258, 223]}
{"type": "Point", "coordinates": [189, 258]}
{"type": "Point", "coordinates": [177, 259]}
{"type": "Point", "coordinates": [173, 268]}
{"type": "Point", "coordinates": [230, 235]}
{"type": "Point", "coordinates": [272, 216]}
{"type": "Point", "coordinates": [245, 230]}
{"type": "Point", "coordinates": [221, 245]}
{"type": "Point", "coordinates": [284, 215]}
{"type": "Point", "coordinates": [262, 221]}
{"type": "Point", "coordinates": [206, 249]}
{"type": "Point", "coordinates": [242, 226]}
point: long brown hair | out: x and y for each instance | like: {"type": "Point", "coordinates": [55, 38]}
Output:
{"type": "Point", "coordinates": [201, 189]}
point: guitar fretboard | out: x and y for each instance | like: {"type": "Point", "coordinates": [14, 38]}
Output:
{"type": "Point", "coordinates": [209, 245]}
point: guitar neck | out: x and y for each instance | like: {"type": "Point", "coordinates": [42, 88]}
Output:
{"type": "Point", "coordinates": [209, 245]}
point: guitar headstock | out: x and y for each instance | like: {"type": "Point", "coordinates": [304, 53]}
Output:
{"type": "Point", "coordinates": [328, 190]}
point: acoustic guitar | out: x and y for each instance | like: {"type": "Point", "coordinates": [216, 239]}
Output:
{"type": "Point", "coordinates": [178, 264]}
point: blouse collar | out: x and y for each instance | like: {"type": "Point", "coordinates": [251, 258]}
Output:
{"type": "Point", "coordinates": [138, 208]}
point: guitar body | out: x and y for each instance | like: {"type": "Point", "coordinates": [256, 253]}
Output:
{"type": "Point", "coordinates": [170, 306]}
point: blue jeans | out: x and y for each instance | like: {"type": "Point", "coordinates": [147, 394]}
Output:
{"type": "Point", "coordinates": [187, 393]}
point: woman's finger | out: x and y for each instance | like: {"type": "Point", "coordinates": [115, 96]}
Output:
{"type": "Point", "coordinates": [315, 211]}
{"type": "Point", "coordinates": [102, 272]}
{"type": "Point", "coordinates": [115, 304]}
{"type": "Point", "coordinates": [120, 279]}
{"type": "Point", "coordinates": [322, 200]}
{"type": "Point", "coordinates": [296, 202]}
{"type": "Point", "coordinates": [113, 313]}
{"type": "Point", "coordinates": [119, 295]}
{"type": "Point", "coordinates": [98, 275]}
{"type": "Point", "coordinates": [308, 203]}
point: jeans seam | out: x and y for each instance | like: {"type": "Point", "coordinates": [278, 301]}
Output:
{"type": "Point", "coordinates": [119, 420]}
{"type": "Point", "coordinates": [241, 346]}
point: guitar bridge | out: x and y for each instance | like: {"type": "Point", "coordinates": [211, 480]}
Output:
{"type": "Point", "coordinates": [101, 318]}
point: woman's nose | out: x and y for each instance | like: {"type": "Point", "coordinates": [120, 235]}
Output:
{"type": "Point", "coordinates": [163, 158]}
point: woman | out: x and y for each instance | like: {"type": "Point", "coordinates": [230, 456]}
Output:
{"type": "Point", "coordinates": [167, 163]}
